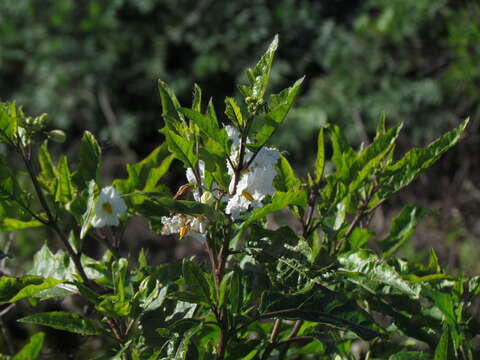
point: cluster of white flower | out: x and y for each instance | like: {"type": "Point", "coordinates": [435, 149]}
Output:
{"type": "Point", "coordinates": [109, 207]}
{"type": "Point", "coordinates": [255, 182]}
{"type": "Point", "coordinates": [185, 226]}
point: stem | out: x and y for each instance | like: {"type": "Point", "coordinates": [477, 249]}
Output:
{"type": "Point", "coordinates": [362, 211]}
{"type": "Point", "coordinates": [275, 330]}
{"type": "Point", "coordinates": [240, 167]}
{"type": "Point", "coordinates": [52, 221]}
{"type": "Point", "coordinates": [291, 337]}
{"type": "Point", "coordinates": [6, 331]}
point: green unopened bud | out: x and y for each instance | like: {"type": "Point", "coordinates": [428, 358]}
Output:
{"type": "Point", "coordinates": [207, 198]}
{"type": "Point", "coordinates": [58, 136]}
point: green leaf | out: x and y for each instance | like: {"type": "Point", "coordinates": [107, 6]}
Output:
{"type": "Point", "coordinates": [145, 174]}
{"type": "Point", "coordinates": [209, 126]}
{"type": "Point", "coordinates": [170, 105]}
{"type": "Point", "coordinates": [233, 112]}
{"type": "Point", "coordinates": [444, 302]}
{"type": "Point", "coordinates": [319, 305]}
{"type": "Point", "coordinates": [285, 179]}
{"type": "Point", "coordinates": [364, 265]}
{"type": "Point", "coordinates": [90, 153]}
{"type": "Point", "coordinates": [181, 147]}
{"type": "Point", "coordinates": [33, 289]}
{"type": "Point", "coordinates": [31, 351]}
{"type": "Point", "coordinates": [65, 321]}
{"type": "Point", "coordinates": [404, 171]}
{"type": "Point", "coordinates": [197, 98]}
{"type": "Point", "coordinates": [403, 227]}
{"type": "Point", "coordinates": [320, 161]}
{"type": "Point", "coordinates": [236, 292]}
{"type": "Point", "coordinates": [9, 224]}
{"type": "Point", "coordinates": [59, 266]}
{"type": "Point", "coordinates": [445, 349]}
{"type": "Point", "coordinates": [279, 201]}
{"type": "Point", "coordinates": [260, 75]}
{"type": "Point", "coordinates": [199, 285]}
{"type": "Point", "coordinates": [48, 171]}
{"type": "Point", "coordinates": [87, 217]}
{"type": "Point", "coordinates": [266, 124]}
{"type": "Point", "coordinates": [8, 121]}
{"type": "Point", "coordinates": [369, 159]}
{"type": "Point", "coordinates": [14, 289]}
{"type": "Point", "coordinates": [64, 192]}
{"type": "Point", "coordinates": [120, 278]}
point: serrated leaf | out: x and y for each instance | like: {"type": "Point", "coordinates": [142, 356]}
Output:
{"type": "Point", "coordinates": [279, 201]}
{"type": "Point", "coordinates": [364, 264]}
{"type": "Point", "coordinates": [59, 265]}
{"type": "Point", "coordinates": [14, 289]}
{"type": "Point", "coordinates": [197, 98]}
{"type": "Point", "coordinates": [8, 121]}
{"type": "Point", "coordinates": [145, 174]}
{"type": "Point", "coordinates": [404, 171]}
{"type": "Point", "coordinates": [182, 148]}
{"type": "Point", "coordinates": [266, 124]}
{"type": "Point", "coordinates": [286, 179]}
{"type": "Point", "coordinates": [65, 321]}
{"type": "Point", "coordinates": [260, 75]}
{"type": "Point", "coordinates": [33, 289]}
{"type": "Point", "coordinates": [9, 224]}
{"type": "Point", "coordinates": [208, 126]}
{"type": "Point", "coordinates": [87, 217]}
{"type": "Point", "coordinates": [170, 105]}
{"type": "Point", "coordinates": [233, 112]}
{"type": "Point", "coordinates": [319, 305]}
{"type": "Point", "coordinates": [198, 282]}
{"type": "Point", "coordinates": [90, 153]}
{"type": "Point", "coordinates": [31, 351]}
{"type": "Point", "coordinates": [371, 157]}
{"type": "Point", "coordinates": [402, 228]}
{"type": "Point", "coordinates": [48, 171]}
{"type": "Point", "coordinates": [64, 191]}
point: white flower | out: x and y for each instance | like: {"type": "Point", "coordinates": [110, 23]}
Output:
{"type": "Point", "coordinates": [255, 183]}
{"type": "Point", "coordinates": [109, 207]}
{"type": "Point", "coordinates": [193, 180]}
{"type": "Point", "coordinates": [185, 226]}
{"type": "Point", "coordinates": [233, 135]}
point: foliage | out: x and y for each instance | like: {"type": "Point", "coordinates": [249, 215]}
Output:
{"type": "Point", "coordinates": [315, 287]}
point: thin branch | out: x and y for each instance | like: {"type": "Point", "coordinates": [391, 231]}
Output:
{"type": "Point", "coordinates": [52, 220]}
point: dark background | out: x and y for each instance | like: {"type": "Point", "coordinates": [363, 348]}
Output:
{"type": "Point", "coordinates": [94, 65]}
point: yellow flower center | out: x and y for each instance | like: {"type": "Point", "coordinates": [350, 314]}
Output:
{"type": "Point", "coordinates": [184, 230]}
{"type": "Point", "coordinates": [247, 196]}
{"type": "Point", "coordinates": [107, 207]}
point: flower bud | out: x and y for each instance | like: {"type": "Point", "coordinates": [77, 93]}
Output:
{"type": "Point", "coordinates": [57, 136]}
{"type": "Point", "coordinates": [207, 198]}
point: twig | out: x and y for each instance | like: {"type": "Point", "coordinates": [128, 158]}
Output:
{"type": "Point", "coordinates": [52, 221]}
{"type": "Point", "coordinates": [5, 331]}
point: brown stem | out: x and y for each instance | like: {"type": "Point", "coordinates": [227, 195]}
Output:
{"type": "Point", "coordinates": [52, 221]}
{"type": "Point", "coordinates": [284, 345]}
{"type": "Point", "coordinates": [275, 330]}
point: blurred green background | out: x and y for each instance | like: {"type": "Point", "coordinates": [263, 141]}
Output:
{"type": "Point", "coordinates": [94, 65]}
